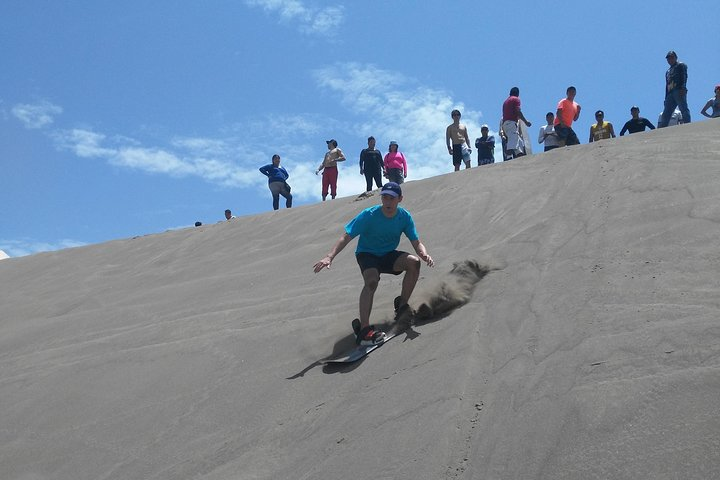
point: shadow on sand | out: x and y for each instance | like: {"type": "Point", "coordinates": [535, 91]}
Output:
{"type": "Point", "coordinates": [437, 301]}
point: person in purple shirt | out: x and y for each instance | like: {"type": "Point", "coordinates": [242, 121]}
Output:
{"type": "Point", "coordinates": [380, 228]}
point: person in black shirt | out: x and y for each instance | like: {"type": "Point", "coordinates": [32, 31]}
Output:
{"type": "Point", "coordinates": [485, 146]}
{"type": "Point", "coordinates": [675, 90]}
{"type": "Point", "coordinates": [371, 164]}
{"type": "Point", "coordinates": [636, 123]}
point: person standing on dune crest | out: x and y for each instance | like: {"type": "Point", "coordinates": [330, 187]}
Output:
{"type": "Point", "coordinates": [379, 229]}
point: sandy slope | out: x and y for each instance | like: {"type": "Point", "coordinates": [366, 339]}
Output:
{"type": "Point", "coordinates": [591, 351]}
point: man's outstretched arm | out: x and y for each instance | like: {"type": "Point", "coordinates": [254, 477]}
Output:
{"type": "Point", "coordinates": [337, 248]}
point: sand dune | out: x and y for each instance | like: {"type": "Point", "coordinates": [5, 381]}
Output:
{"type": "Point", "coordinates": [588, 348]}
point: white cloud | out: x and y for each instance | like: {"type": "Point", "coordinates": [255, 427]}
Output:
{"type": "Point", "coordinates": [378, 102]}
{"type": "Point", "coordinates": [84, 143]}
{"type": "Point", "coordinates": [401, 109]}
{"type": "Point", "coordinates": [309, 19]}
{"type": "Point", "coordinates": [26, 246]}
{"type": "Point", "coordinates": [36, 115]}
{"type": "Point", "coordinates": [208, 159]}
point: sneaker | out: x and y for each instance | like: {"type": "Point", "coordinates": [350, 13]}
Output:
{"type": "Point", "coordinates": [402, 312]}
{"type": "Point", "coordinates": [369, 336]}
{"type": "Point", "coordinates": [356, 326]}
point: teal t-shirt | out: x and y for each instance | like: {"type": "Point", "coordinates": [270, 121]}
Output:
{"type": "Point", "coordinates": [378, 234]}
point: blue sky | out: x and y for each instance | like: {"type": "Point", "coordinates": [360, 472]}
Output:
{"type": "Point", "coordinates": [128, 118]}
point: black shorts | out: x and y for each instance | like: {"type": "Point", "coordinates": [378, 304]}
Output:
{"type": "Point", "coordinates": [384, 264]}
{"type": "Point", "coordinates": [457, 155]}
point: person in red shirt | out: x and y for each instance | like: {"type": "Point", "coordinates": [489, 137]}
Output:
{"type": "Point", "coordinates": [512, 113]}
{"type": "Point", "coordinates": [567, 112]}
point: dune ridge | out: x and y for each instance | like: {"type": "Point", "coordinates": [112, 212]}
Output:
{"type": "Point", "coordinates": [585, 346]}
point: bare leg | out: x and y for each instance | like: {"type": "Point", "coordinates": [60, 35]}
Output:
{"type": "Point", "coordinates": [410, 264]}
{"type": "Point", "coordinates": [371, 277]}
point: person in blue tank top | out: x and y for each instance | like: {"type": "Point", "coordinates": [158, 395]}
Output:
{"type": "Point", "coordinates": [380, 228]}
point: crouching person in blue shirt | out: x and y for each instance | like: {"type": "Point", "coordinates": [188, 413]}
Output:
{"type": "Point", "coordinates": [379, 229]}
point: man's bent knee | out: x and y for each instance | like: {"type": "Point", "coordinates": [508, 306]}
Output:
{"type": "Point", "coordinates": [409, 263]}
{"type": "Point", "coordinates": [372, 279]}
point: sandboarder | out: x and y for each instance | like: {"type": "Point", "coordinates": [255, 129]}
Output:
{"type": "Point", "coordinates": [380, 228]}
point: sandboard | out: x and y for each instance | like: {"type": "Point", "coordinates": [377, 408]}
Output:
{"type": "Point", "coordinates": [525, 134]}
{"type": "Point", "coordinates": [359, 352]}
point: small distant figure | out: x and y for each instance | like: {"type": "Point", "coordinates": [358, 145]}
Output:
{"type": "Point", "coordinates": [675, 90]}
{"type": "Point", "coordinates": [228, 215]}
{"type": "Point", "coordinates": [547, 133]}
{"type": "Point", "coordinates": [371, 164]}
{"type": "Point", "coordinates": [636, 123]}
{"type": "Point", "coordinates": [198, 224]}
{"type": "Point", "coordinates": [458, 141]}
{"type": "Point", "coordinates": [601, 130]}
{"type": "Point", "coordinates": [568, 111]}
{"type": "Point", "coordinates": [380, 229]}
{"type": "Point", "coordinates": [485, 146]}
{"type": "Point", "coordinates": [713, 103]}
{"type": "Point", "coordinates": [329, 168]}
{"type": "Point", "coordinates": [512, 114]}
{"type": "Point", "coordinates": [277, 182]}
{"type": "Point", "coordinates": [395, 164]}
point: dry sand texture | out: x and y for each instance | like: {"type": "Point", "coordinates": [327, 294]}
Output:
{"type": "Point", "coordinates": [589, 350]}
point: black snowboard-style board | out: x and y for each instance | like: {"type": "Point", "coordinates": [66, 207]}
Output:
{"type": "Point", "coordinates": [360, 351]}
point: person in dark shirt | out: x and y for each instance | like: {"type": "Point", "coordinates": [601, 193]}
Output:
{"type": "Point", "coordinates": [485, 146]}
{"type": "Point", "coordinates": [371, 164]}
{"type": "Point", "coordinates": [675, 90]}
{"type": "Point", "coordinates": [636, 123]}
{"type": "Point", "coordinates": [277, 182]}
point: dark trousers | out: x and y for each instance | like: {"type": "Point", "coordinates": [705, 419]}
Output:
{"type": "Point", "coordinates": [277, 189]}
{"type": "Point", "coordinates": [674, 98]}
{"type": "Point", "coordinates": [371, 175]}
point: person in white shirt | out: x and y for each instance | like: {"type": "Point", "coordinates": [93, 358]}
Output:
{"type": "Point", "coordinates": [547, 133]}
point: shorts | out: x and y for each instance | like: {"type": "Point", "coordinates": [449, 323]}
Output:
{"type": "Point", "coordinates": [384, 264]}
{"type": "Point", "coordinates": [457, 154]}
{"type": "Point", "coordinates": [467, 157]}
